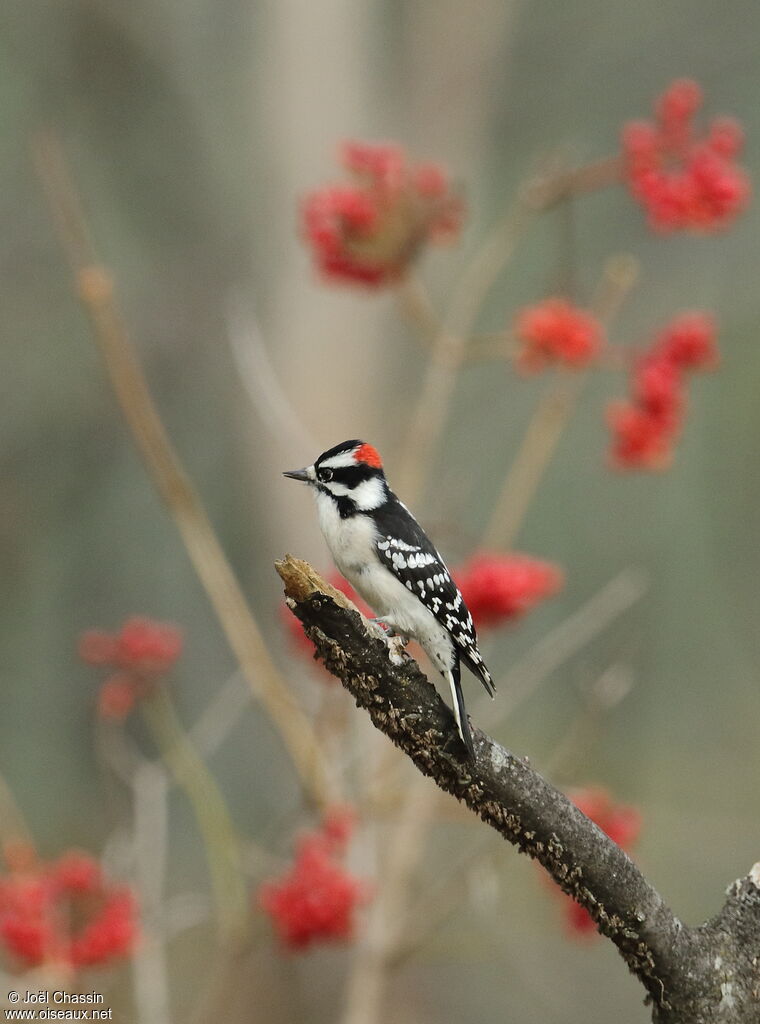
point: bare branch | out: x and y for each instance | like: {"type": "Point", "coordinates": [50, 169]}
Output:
{"type": "Point", "coordinates": [500, 787]}
{"type": "Point", "coordinates": [684, 970]}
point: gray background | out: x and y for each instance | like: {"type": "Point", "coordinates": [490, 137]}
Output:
{"type": "Point", "coordinates": [193, 128]}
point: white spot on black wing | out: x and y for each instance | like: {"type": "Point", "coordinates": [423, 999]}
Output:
{"type": "Point", "coordinates": [410, 556]}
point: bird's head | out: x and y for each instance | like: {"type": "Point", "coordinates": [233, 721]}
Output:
{"type": "Point", "coordinates": [351, 474]}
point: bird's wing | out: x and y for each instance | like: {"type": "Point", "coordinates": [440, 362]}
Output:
{"type": "Point", "coordinates": [421, 569]}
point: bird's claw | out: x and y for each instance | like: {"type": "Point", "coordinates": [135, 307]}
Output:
{"type": "Point", "coordinates": [395, 641]}
{"type": "Point", "coordinates": [385, 626]}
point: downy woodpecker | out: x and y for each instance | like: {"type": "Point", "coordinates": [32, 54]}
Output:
{"type": "Point", "coordinates": [384, 553]}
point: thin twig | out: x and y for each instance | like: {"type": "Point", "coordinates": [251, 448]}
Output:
{"type": "Point", "coordinates": [416, 307]}
{"type": "Point", "coordinates": [384, 930]}
{"type": "Point", "coordinates": [150, 974]}
{"type": "Point", "coordinates": [259, 378]}
{"type": "Point", "coordinates": [13, 826]}
{"type": "Point", "coordinates": [549, 419]}
{"type": "Point", "coordinates": [220, 716]}
{"type": "Point", "coordinates": [96, 290]}
{"type": "Point", "coordinates": [449, 347]}
{"type": "Point", "coordinates": [566, 269]}
{"type": "Point", "coordinates": [211, 812]}
{"type": "Point", "coordinates": [527, 469]}
{"type": "Point", "coordinates": [609, 689]}
{"type": "Point", "coordinates": [621, 272]}
{"type": "Point", "coordinates": [117, 751]}
{"type": "Point", "coordinates": [498, 345]}
{"type": "Point", "coordinates": [557, 646]}
{"type": "Point", "coordinates": [557, 186]}
{"type": "Point", "coordinates": [439, 900]}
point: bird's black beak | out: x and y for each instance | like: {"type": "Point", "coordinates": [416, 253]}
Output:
{"type": "Point", "coordinates": [297, 474]}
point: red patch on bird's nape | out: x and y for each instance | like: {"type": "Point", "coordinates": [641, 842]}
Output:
{"type": "Point", "coordinates": [369, 455]}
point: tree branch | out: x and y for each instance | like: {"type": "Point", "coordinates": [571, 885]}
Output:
{"type": "Point", "coordinates": [96, 290]}
{"type": "Point", "coordinates": [679, 967]}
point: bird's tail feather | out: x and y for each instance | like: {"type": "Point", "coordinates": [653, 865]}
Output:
{"type": "Point", "coordinates": [460, 712]}
{"type": "Point", "coordinates": [476, 665]}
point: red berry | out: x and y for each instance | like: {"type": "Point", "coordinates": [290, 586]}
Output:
{"type": "Point", "coordinates": [688, 342]}
{"type": "Point", "coordinates": [498, 588]}
{"type": "Point", "coordinates": [316, 899]}
{"type": "Point", "coordinates": [369, 230]}
{"type": "Point", "coordinates": [685, 183]}
{"type": "Point", "coordinates": [555, 331]}
{"type": "Point", "coordinates": [66, 911]}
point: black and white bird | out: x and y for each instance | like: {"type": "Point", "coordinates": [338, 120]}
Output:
{"type": "Point", "coordinates": [384, 553]}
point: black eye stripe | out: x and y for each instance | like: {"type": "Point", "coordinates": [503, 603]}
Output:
{"type": "Point", "coordinates": [349, 476]}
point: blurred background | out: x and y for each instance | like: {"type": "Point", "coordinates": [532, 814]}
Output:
{"type": "Point", "coordinates": [193, 131]}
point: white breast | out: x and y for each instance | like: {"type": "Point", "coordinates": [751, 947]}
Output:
{"type": "Point", "coordinates": [351, 541]}
{"type": "Point", "coordinates": [352, 544]}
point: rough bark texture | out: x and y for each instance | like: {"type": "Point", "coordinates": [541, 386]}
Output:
{"type": "Point", "coordinates": [699, 975]}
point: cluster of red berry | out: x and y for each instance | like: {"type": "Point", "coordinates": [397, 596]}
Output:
{"type": "Point", "coordinates": [685, 182]}
{"type": "Point", "coordinates": [646, 425]}
{"type": "Point", "coordinates": [316, 899]}
{"type": "Point", "coordinates": [557, 332]}
{"type": "Point", "coordinates": [498, 588]}
{"type": "Point", "coordinates": [138, 654]}
{"type": "Point", "coordinates": [368, 230]}
{"type": "Point", "coordinates": [65, 913]}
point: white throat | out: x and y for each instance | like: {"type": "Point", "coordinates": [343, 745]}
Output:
{"type": "Point", "coordinates": [351, 541]}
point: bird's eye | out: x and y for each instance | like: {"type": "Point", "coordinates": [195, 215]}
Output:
{"type": "Point", "coordinates": [326, 474]}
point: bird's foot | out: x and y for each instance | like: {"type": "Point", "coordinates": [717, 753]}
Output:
{"type": "Point", "coordinates": [395, 641]}
{"type": "Point", "coordinates": [386, 627]}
